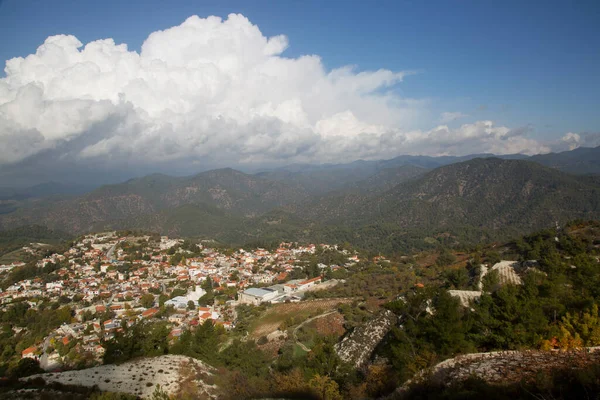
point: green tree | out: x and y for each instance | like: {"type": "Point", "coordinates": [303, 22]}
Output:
{"type": "Point", "coordinates": [155, 343]}
{"type": "Point", "coordinates": [161, 299]}
{"type": "Point", "coordinates": [26, 367]}
{"type": "Point", "coordinates": [245, 357]}
{"type": "Point", "coordinates": [235, 276]}
{"type": "Point", "coordinates": [493, 257]}
{"type": "Point", "coordinates": [445, 258]}
{"type": "Point", "coordinates": [491, 281]}
{"type": "Point", "coordinates": [457, 278]}
{"type": "Point", "coordinates": [147, 300]}
{"type": "Point", "coordinates": [159, 394]}
{"type": "Point", "coordinates": [207, 285]}
{"type": "Point", "coordinates": [578, 330]}
{"type": "Point", "coordinates": [325, 387]}
{"type": "Point", "coordinates": [323, 359]}
{"type": "Point", "coordinates": [207, 300]}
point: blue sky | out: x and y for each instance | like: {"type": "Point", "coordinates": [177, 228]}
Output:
{"type": "Point", "coordinates": [519, 63]}
{"type": "Point", "coordinates": [429, 77]}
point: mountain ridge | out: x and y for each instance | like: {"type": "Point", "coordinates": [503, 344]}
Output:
{"type": "Point", "coordinates": [494, 195]}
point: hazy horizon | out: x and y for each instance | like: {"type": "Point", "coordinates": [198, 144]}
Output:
{"type": "Point", "coordinates": [96, 92]}
{"type": "Point", "coordinates": [90, 181]}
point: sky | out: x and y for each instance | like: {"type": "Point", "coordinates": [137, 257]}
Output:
{"type": "Point", "coordinates": [111, 89]}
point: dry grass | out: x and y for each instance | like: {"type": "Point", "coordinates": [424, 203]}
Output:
{"type": "Point", "coordinates": [332, 324]}
{"type": "Point", "coordinates": [271, 348]}
{"type": "Point", "coordinates": [273, 318]}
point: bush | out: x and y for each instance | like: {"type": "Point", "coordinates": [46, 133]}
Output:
{"type": "Point", "coordinates": [262, 340]}
{"type": "Point", "coordinates": [26, 367]}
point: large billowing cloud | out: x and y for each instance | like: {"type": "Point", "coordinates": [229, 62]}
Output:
{"type": "Point", "coordinates": [572, 141]}
{"type": "Point", "coordinates": [213, 90]}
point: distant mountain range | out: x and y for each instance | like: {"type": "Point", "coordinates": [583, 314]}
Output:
{"type": "Point", "coordinates": [396, 202]}
{"type": "Point", "coordinates": [42, 190]}
{"type": "Point", "coordinates": [318, 179]}
{"type": "Point", "coordinates": [487, 193]}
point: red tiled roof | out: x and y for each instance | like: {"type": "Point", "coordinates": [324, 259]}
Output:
{"type": "Point", "coordinates": [149, 312]}
{"type": "Point", "coordinates": [281, 276]}
{"type": "Point", "coordinates": [29, 350]}
{"type": "Point", "coordinates": [318, 278]}
{"type": "Point", "coordinates": [205, 315]}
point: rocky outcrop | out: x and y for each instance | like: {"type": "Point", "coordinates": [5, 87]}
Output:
{"type": "Point", "coordinates": [357, 347]}
{"type": "Point", "coordinates": [140, 377]}
{"type": "Point", "coordinates": [504, 367]}
{"type": "Point", "coordinates": [465, 296]}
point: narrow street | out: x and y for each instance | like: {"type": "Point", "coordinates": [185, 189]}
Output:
{"type": "Point", "coordinates": [110, 252]}
{"type": "Point", "coordinates": [44, 357]}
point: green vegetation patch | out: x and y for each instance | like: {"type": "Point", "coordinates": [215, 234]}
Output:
{"type": "Point", "coordinates": [13, 257]}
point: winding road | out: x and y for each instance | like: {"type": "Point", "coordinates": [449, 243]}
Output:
{"type": "Point", "coordinates": [44, 362]}
{"type": "Point", "coordinates": [306, 322]}
{"type": "Point", "coordinates": [109, 253]}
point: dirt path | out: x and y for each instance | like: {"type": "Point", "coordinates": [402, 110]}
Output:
{"type": "Point", "coordinates": [271, 320]}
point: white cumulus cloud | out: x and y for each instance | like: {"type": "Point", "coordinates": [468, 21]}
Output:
{"type": "Point", "coordinates": [571, 140]}
{"type": "Point", "coordinates": [217, 89]}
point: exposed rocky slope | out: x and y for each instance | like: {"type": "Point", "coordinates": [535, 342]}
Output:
{"type": "Point", "coordinates": [357, 347]}
{"type": "Point", "coordinates": [504, 367]}
{"type": "Point", "coordinates": [140, 377]}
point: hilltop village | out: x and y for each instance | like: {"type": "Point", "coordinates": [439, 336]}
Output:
{"type": "Point", "coordinates": [128, 311]}
{"type": "Point", "coordinates": [111, 282]}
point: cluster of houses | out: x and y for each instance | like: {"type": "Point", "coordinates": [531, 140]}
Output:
{"type": "Point", "coordinates": [8, 267]}
{"type": "Point", "coordinates": [107, 290]}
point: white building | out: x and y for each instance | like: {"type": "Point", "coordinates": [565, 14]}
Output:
{"type": "Point", "coordinates": [256, 296]}
{"type": "Point", "coordinates": [196, 294]}
{"type": "Point", "coordinates": [182, 301]}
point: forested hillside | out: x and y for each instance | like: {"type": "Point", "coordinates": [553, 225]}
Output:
{"type": "Point", "coordinates": [229, 190]}
{"type": "Point", "coordinates": [584, 160]}
{"type": "Point", "coordinates": [14, 239]}
{"type": "Point", "coordinates": [378, 206]}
